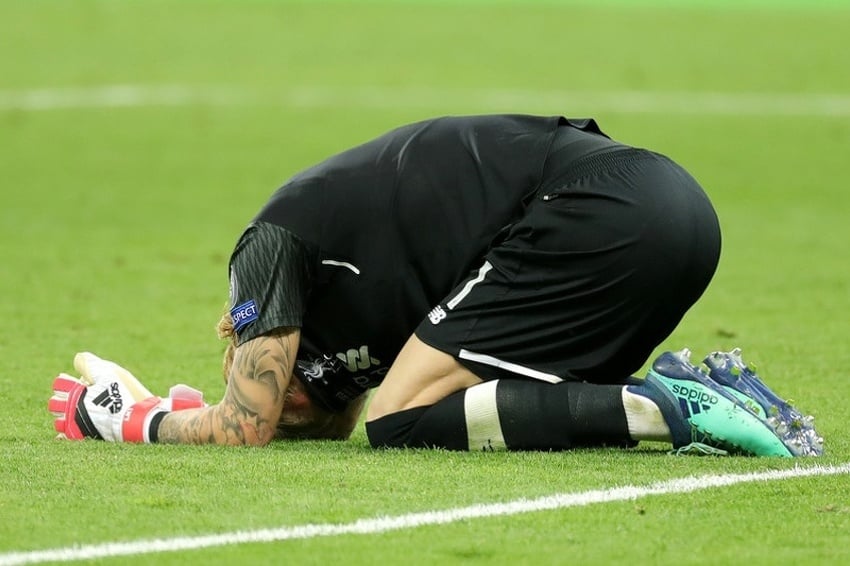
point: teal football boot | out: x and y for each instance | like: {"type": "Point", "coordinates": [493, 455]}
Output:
{"type": "Point", "coordinates": [795, 430]}
{"type": "Point", "coordinates": [703, 416]}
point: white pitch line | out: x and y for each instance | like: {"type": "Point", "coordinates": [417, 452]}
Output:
{"type": "Point", "coordinates": [114, 96]}
{"type": "Point", "coordinates": [385, 524]}
{"type": "Point", "coordinates": [443, 99]}
{"type": "Point", "coordinates": [648, 102]}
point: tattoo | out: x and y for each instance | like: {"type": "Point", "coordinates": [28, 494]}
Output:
{"type": "Point", "coordinates": [250, 410]}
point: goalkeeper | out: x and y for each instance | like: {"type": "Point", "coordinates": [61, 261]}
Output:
{"type": "Point", "coordinates": [498, 279]}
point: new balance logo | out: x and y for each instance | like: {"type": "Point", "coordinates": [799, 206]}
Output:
{"type": "Point", "coordinates": [110, 399]}
{"type": "Point", "coordinates": [436, 315]}
{"type": "Point", "coordinates": [358, 360]}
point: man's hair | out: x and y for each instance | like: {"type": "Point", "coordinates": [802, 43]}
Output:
{"type": "Point", "coordinates": [225, 331]}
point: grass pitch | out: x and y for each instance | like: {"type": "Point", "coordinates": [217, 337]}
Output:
{"type": "Point", "coordinates": [138, 138]}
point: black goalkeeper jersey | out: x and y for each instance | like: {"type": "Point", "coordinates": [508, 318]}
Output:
{"type": "Point", "coordinates": [359, 248]}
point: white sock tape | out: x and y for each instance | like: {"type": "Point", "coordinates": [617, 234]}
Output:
{"type": "Point", "coordinates": [483, 427]}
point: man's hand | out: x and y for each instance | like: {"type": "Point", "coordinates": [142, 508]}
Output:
{"type": "Point", "coordinates": [109, 403]}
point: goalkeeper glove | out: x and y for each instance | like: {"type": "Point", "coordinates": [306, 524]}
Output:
{"type": "Point", "coordinates": [109, 403]}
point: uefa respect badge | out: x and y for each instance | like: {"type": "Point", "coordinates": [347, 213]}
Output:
{"type": "Point", "coordinates": [244, 314]}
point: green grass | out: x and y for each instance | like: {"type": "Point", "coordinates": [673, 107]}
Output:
{"type": "Point", "coordinates": [116, 225]}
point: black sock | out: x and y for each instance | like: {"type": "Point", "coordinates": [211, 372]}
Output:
{"type": "Point", "coordinates": [512, 414]}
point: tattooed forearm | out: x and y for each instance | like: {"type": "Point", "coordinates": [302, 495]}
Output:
{"type": "Point", "coordinates": [263, 360]}
{"type": "Point", "coordinates": [249, 412]}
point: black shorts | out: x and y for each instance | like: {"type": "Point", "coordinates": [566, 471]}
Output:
{"type": "Point", "coordinates": [617, 244]}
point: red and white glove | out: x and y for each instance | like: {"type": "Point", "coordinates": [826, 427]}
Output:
{"type": "Point", "coordinates": [109, 403]}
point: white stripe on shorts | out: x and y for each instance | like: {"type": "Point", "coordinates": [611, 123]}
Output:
{"type": "Point", "coordinates": [511, 367]}
{"type": "Point", "coordinates": [469, 285]}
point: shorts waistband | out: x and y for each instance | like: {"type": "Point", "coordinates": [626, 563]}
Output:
{"type": "Point", "coordinates": [576, 154]}
{"type": "Point", "coordinates": [603, 160]}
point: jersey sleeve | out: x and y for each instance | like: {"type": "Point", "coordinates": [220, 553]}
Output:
{"type": "Point", "coordinates": [271, 274]}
